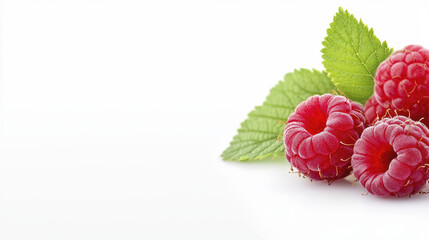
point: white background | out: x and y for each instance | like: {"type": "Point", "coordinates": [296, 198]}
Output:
{"type": "Point", "coordinates": [114, 115]}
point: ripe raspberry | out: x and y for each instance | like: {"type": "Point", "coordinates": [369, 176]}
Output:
{"type": "Point", "coordinates": [391, 157]}
{"type": "Point", "coordinates": [320, 134]}
{"type": "Point", "coordinates": [374, 111]}
{"type": "Point", "coordinates": [402, 83]}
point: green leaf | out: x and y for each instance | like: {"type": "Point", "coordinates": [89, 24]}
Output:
{"type": "Point", "coordinates": [256, 138]}
{"type": "Point", "coordinates": [351, 56]}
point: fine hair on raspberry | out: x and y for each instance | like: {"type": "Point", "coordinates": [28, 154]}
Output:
{"type": "Point", "coordinates": [320, 134]}
{"type": "Point", "coordinates": [402, 84]}
{"type": "Point", "coordinates": [375, 111]}
{"type": "Point", "coordinates": [392, 157]}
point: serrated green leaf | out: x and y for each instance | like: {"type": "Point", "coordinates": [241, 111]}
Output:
{"type": "Point", "coordinates": [257, 136]}
{"type": "Point", "coordinates": [351, 56]}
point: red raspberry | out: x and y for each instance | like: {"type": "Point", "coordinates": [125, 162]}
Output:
{"type": "Point", "coordinates": [374, 111]}
{"type": "Point", "coordinates": [402, 83]}
{"type": "Point", "coordinates": [320, 134]}
{"type": "Point", "coordinates": [391, 157]}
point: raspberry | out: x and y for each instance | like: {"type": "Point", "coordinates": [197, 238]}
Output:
{"type": "Point", "coordinates": [374, 111]}
{"type": "Point", "coordinates": [402, 83]}
{"type": "Point", "coordinates": [320, 134]}
{"type": "Point", "coordinates": [391, 157]}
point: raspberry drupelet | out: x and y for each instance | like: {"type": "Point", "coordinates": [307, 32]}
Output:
{"type": "Point", "coordinates": [392, 157]}
{"type": "Point", "coordinates": [375, 111]}
{"type": "Point", "coordinates": [320, 134]}
{"type": "Point", "coordinates": [402, 83]}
